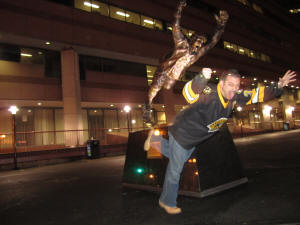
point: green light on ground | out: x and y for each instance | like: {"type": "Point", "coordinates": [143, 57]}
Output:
{"type": "Point", "coordinates": [139, 170]}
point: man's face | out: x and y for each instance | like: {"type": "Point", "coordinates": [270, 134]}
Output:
{"type": "Point", "coordinates": [230, 86]}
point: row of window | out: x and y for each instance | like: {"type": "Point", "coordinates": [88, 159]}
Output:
{"type": "Point", "coordinates": [50, 59]}
{"type": "Point", "coordinates": [247, 52]}
{"type": "Point", "coordinates": [294, 11]}
{"type": "Point", "coordinates": [52, 63]}
{"type": "Point", "coordinates": [97, 121]}
{"type": "Point", "coordinates": [100, 64]}
{"type": "Point", "coordinates": [126, 15]}
{"type": "Point", "coordinates": [253, 5]}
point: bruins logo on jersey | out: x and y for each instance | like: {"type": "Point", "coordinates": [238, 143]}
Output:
{"type": "Point", "coordinates": [215, 126]}
{"type": "Point", "coordinates": [207, 90]}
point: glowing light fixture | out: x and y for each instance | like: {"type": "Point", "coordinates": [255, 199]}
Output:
{"type": "Point", "coordinates": [122, 14]}
{"type": "Point", "coordinates": [148, 21]}
{"type": "Point", "coordinates": [290, 109]}
{"type": "Point", "coordinates": [26, 55]}
{"type": "Point", "coordinates": [13, 109]}
{"type": "Point", "coordinates": [156, 132]}
{"type": "Point", "coordinates": [267, 109]}
{"type": "Point", "coordinates": [127, 108]}
{"type": "Point", "coordinates": [239, 108]}
{"type": "Point", "coordinates": [91, 5]}
{"type": "Point", "coordinates": [151, 176]}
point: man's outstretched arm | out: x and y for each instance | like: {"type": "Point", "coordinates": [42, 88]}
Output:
{"type": "Point", "coordinates": [264, 94]}
{"type": "Point", "coordinates": [194, 87]}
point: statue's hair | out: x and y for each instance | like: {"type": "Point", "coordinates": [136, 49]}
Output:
{"type": "Point", "coordinates": [195, 36]}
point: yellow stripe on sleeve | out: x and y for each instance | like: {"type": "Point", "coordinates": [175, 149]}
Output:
{"type": "Point", "coordinates": [261, 94]}
{"type": "Point", "coordinates": [252, 96]}
{"type": "Point", "coordinates": [189, 94]}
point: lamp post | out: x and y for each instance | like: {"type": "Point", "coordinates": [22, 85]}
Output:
{"type": "Point", "coordinates": [127, 109]}
{"type": "Point", "coordinates": [13, 110]}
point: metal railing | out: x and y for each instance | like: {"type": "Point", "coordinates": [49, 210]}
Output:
{"type": "Point", "coordinates": [30, 146]}
{"type": "Point", "coordinates": [49, 140]}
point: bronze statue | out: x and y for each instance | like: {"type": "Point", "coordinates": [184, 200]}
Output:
{"type": "Point", "coordinates": [187, 51]}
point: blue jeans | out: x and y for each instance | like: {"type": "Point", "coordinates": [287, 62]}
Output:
{"type": "Point", "coordinates": [177, 157]}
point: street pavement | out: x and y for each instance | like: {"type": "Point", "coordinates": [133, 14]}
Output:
{"type": "Point", "coordinates": [90, 192]}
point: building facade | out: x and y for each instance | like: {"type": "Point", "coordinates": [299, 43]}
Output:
{"type": "Point", "coordinates": [72, 66]}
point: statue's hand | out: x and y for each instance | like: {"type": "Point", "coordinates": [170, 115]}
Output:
{"type": "Point", "coordinates": [182, 4]}
{"type": "Point", "coordinates": [222, 18]}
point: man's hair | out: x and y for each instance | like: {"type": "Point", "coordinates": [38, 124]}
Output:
{"type": "Point", "coordinates": [230, 72]}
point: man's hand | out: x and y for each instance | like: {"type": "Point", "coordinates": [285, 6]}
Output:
{"type": "Point", "coordinates": [222, 18]}
{"type": "Point", "coordinates": [206, 72]}
{"type": "Point", "coordinates": [287, 78]}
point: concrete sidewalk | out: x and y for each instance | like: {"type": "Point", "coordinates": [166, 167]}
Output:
{"type": "Point", "coordinates": [90, 192]}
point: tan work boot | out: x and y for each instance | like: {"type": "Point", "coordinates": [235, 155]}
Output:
{"type": "Point", "coordinates": [170, 210]}
{"type": "Point", "coordinates": [147, 142]}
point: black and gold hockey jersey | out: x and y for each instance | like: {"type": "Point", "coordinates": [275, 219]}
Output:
{"type": "Point", "coordinates": [209, 110]}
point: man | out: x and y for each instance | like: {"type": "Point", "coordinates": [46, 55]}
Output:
{"type": "Point", "coordinates": [210, 107]}
{"type": "Point", "coordinates": [186, 52]}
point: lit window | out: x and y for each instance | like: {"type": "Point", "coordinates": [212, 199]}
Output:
{"type": "Point", "coordinates": [147, 22]}
{"type": "Point", "coordinates": [150, 73]}
{"type": "Point", "coordinates": [158, 25]}
{"type": "Point", "coordinates": [133, 18]}
{"type": "Point", "coordinates": [117, 13]}
{"type": "Point", "coordinates": [293, 11]}
{"type": "Point", "coordinates": [85, 5]}
{"type": "Point", "coordinates": [241, 50]}
{"type": "Point", "coordinates": [103, 9]}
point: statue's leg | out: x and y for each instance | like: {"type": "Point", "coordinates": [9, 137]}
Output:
{"type": "Point", "coordinates": [169, 83]}
{"type": "Point", "coordinates": [155, 87]}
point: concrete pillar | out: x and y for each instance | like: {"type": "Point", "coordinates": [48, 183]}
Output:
{"type": "Point", "coordinates": [288, 104]}
{"type": "Point", "coordinates": [71, 97]}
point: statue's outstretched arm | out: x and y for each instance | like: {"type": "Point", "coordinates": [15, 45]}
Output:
{"type": "Point", "coordinates": [176, 29]}
{"type": "Point", "coordinates": [221, 22]}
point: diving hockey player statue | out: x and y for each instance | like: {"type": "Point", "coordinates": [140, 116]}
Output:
{"type": "Point", "coordinates": [186, 52]}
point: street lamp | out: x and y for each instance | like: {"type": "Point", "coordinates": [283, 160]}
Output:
{"type": "Point", "coordinates": [127, 109]}
{"type": "Point", "coordinates": [13, 110]}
